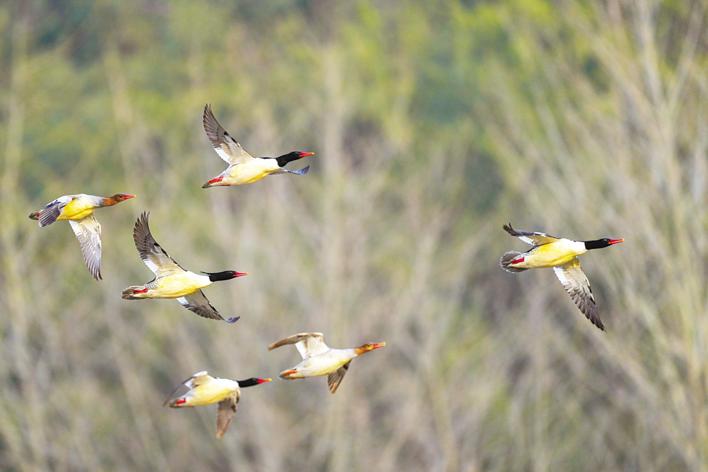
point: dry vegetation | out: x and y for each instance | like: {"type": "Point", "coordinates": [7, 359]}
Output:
{"type": "Point", "coordinates": [433, 125]}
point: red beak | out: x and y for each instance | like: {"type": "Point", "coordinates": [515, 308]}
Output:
{"type": "Point", "coordinates": [378, 345]}
{"type": "Point", "coordinates": [240, 274]}
{"type": "Point", "coordinates": [307, 154]}
{"type": "Point", "coordinates": [616, 241]}
{"type": "Point", "coordinates": [262, 381]}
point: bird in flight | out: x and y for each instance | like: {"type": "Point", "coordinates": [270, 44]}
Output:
{"type": "Point", "coordinates": [78, 210]}
{"type": "Point", "coordinates": [318, 359]}
{"type": "Point", "coordinates": [171, 280]}
{"type": "Point", "coordinates": [244, 168]}
{"type": "Point", "coordinates": [562, 255]}
{"type": "Point", "coordinates": [203, 389]}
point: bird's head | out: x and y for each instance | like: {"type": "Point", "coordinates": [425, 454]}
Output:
{"type": "Point", "coordinates": [252, 381]}
{"type": "Point", "coordinates": [293, 156]}
{"type": "Point", "coordinates": [600, 243]}
{"type": "Point", "coordinates": [119, 197]}
{"type": "Point", "coordinates": [225, 275]}
{"type": "Point", "coordinates": [368, 347]}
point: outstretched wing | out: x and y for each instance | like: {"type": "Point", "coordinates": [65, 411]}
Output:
{"type": "Point", "coordinates": [334, 379]}
{"type": "Point", "coordinates": [578, 287]}
{"type": "Point", "coordinates": [225, 146]}
{"type": "Point", "coordinates": [307, 344]}
{"type": "Point", "coordinates": [152, 254]}
{"type": "Point", "coordinates": [532, 238]}
{"type": "Point", "coordinates": [186, 385]}
{"type": "Point", "coordinates": [198, 303]}
{"type": "Point", "coordinates": [88, 232]}
{"type": "Point", "coordinates": [225, 413]}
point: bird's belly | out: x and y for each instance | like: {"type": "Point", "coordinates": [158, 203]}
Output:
{"type": "Point", "coordinates": [316, 366]}
{"type": "Point", "coordinates": [249, 173]}
{"type": "Point", "coordinates": [549, 255]}
{"type": "Point", "coordinates": [179, 285]}
{"type": "Point", "coordinates": [207, 395]}
{"type": "Point", "coordinates": [76, 210]}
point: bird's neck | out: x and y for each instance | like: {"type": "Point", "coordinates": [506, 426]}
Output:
{"type": "Point", "coordinates": [595, 244]}
{"type": "Point", "coordinates": [285, 158]}
{"type": "Point", "coordinates": [108, 201]}
{"type": "Point", "coordinates": [218, 276]}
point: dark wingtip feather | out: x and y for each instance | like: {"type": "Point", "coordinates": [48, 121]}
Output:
{"type": "Point", "coordinates": [232, 320]}
{"type": "Point", "coordinates": [509, 229]}
{"type": "Point", "coordinates": [142, 220]}
{"type": "Point", "coordinates": [140, 231]}
{"type": "Point", "coordinates": [597, 322]}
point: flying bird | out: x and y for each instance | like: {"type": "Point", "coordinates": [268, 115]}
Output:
{"type": "Point", "coordinates": [78, 210]}
{"type": "Point", "coordinates": [244, 168]}
{"type": "Point", "coordinates": [203, 389]}
{"type": "Point", "coordinates": [171, 280]}
{"type": "Point", "coordinates": [562, 255]}
{"type": "Point", "coordinates": [319, 359]}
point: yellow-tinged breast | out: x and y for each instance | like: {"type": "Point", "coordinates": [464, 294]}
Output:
{"type": "Point", "coordinates": [77, 209]}
{"type": "Point", "coordinates": [252, 171]}
{"type": "Point", "coordinates": [325, 364]}
{"type": "Point", "coordinates": [178, 285]}
{"type": "Point", "coordinates": [553, 254]}
{"type": "Point", "coordinates": [212, 392]}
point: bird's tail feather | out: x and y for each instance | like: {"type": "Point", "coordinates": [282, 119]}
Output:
{"type": "Point", "coordinates": [506, 259]}
{"type": "Point", "coordinates": [129, 293]}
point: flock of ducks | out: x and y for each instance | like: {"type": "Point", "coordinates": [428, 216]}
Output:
{"type": "Point", "coordinates": [172, 281]}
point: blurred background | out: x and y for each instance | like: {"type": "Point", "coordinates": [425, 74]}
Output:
{"type": "Point", "coordinates": [434, 123]}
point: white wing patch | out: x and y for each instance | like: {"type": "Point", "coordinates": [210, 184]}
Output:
{"type": "Point", "coordinates": [151, 265]}
{"type": "Point", "coordinates": [222, 154]}
{"type": "Point", "coordinates": [199, 378]}
{"type": "Point", "coordinates": [311, 346]}
{"type": "Point", "coordinates": [307, 344]}
{"type": "Point", "coordinates": [88, 232]}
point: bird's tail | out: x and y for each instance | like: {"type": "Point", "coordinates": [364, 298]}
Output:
{"type": "Point", "coordinates": [506, 259]}
{"type": "Point", "coordinates": [34, 215]}
{"type": "Point", "coordinates": [131, 293]}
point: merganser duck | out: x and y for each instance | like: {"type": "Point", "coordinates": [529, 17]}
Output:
{"type": "Point", "coordinates": [562, 255]}
{"type": "Point", "coordinates": [78, 210]}
{"type": "Point", "coordinates": [320, 359]}
{"type": "Point", "coordinates": [203, 389]}
{"type": "Point", "coordinates": [244, 168]}
{"type": "Point", "coordinates": [171, 280]}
